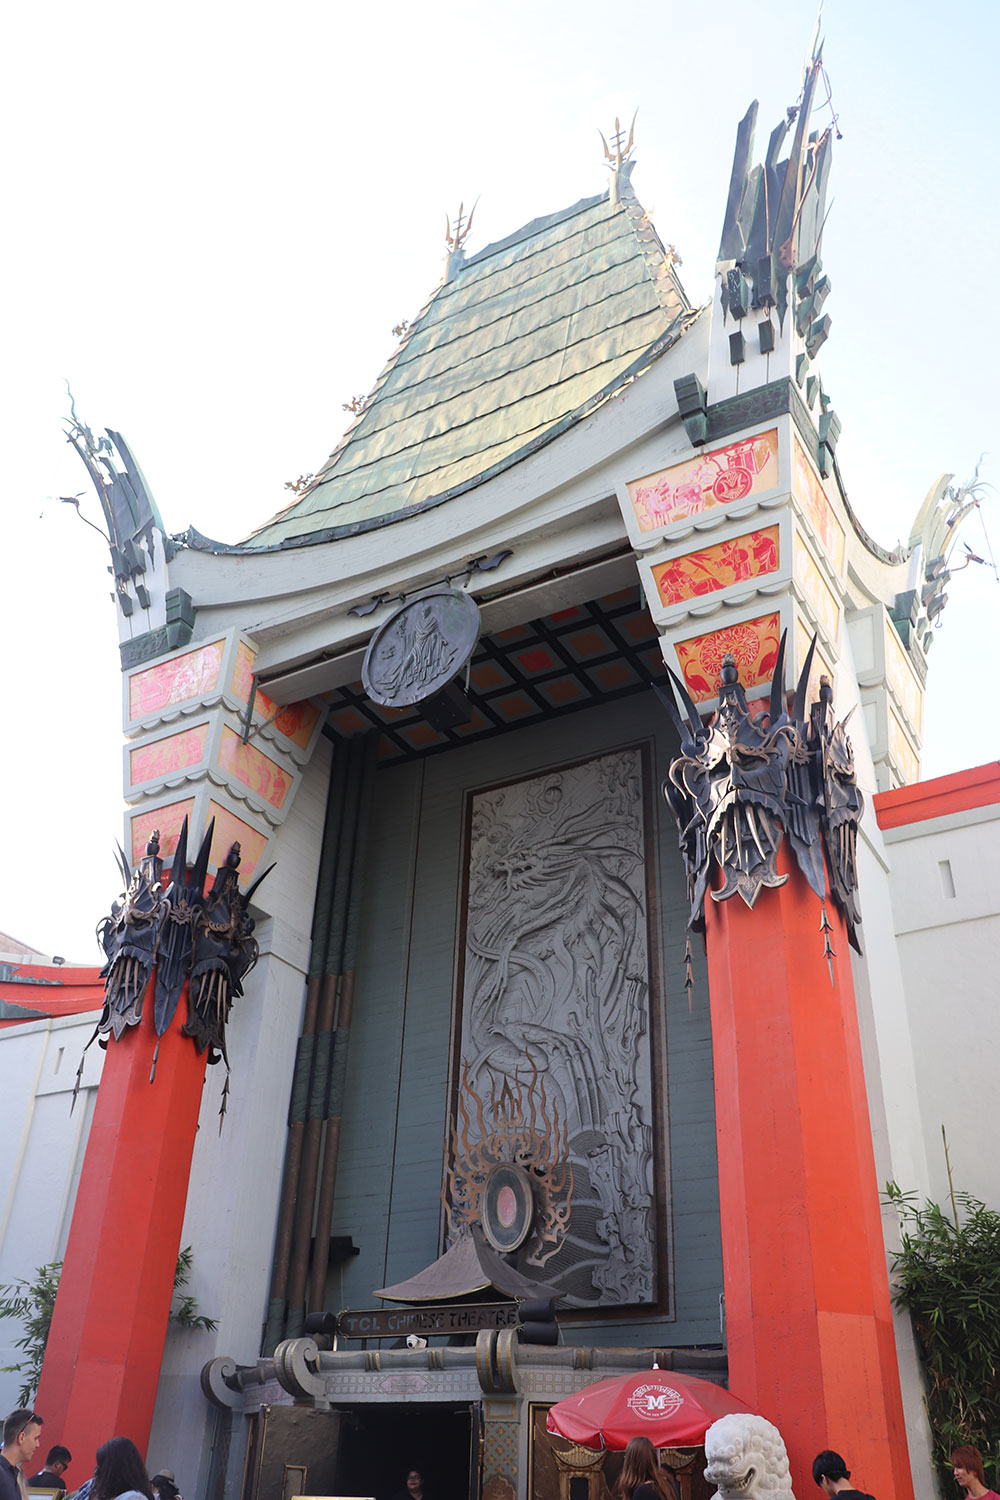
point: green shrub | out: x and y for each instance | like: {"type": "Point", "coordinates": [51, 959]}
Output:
{"type": "Point", "coordinates": [947, 1275]}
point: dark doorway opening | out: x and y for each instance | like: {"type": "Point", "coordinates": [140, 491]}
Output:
{"type": "Point", "coordinates": [379, 1445]}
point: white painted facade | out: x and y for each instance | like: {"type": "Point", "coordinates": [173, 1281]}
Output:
{"type": "Point", "coordinates": [946, 917]}
{"type": "Point", "coordinates": [44, 1146]}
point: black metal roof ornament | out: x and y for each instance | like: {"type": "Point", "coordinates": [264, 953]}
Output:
{"type": "Point", "coordinates": [743, 780]}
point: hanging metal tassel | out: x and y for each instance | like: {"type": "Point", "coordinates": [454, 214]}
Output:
{"type": "Point", "coordinates": [828, 952]}
{"type": "Point", "coordinates": [689, 975]}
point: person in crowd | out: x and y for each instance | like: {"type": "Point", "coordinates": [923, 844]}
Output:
{"type": "Point", "coordinates": [414, 1487]}
{"type": "Point", "coordinates": [967, 1467]}
{"type": "Point", "coordinates": [165, 1486]}
{"type": "Point", "coordinates": [57, 1462]}
{"type": "Point", "coordinates": [834, 1477]}
{"type": "Point", "coordinates": [22, 1432]}
{"type": "Point", "coordinates": [641, 1477]}
{"type": "Point", "coordinates": [120, 1473]}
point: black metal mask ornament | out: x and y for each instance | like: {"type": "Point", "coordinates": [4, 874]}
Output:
{"type": "Point", "coordinates": [224, 951]}
{"type": "Point", "coordinates": [128, 937]}
{"type": "Point", "coordinates": [742, 781]}
{"type": "Point", "coordinates": [180, 913]}
{"type": "Point", "coordinates": [188, 936]}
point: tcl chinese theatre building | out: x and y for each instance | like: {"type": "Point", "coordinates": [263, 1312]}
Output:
{"type": "Point", "coordinates": [519, 1022]}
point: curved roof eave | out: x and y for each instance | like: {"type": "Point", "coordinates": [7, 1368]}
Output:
{"type": "Point", "coordinates": [194, 539]}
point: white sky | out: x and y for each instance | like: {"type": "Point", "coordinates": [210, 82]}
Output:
{"type": "Point", "coordinates": [217, 212]}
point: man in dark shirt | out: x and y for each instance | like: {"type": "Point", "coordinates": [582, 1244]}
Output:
{"type": "Point", "coordinates": [22, 1432]}
{"type": "Point", "coordinates": [834, 1477]}
{"type": "Point", "coordinates": [51, 1478]}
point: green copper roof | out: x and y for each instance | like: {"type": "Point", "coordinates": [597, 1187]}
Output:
{"type": "Point", "coordinates": [518, 342]}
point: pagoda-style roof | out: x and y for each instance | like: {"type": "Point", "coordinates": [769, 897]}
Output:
{"type": "Point", "coordinates": [516, 344]}
{"type": "Point", "coordinates": [468, 1267]}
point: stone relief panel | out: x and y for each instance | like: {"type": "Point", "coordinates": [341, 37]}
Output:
{"type": "Point", "coordinates": [556, 978]}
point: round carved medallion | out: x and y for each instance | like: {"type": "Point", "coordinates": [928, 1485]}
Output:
{"type": "Point", "coordinates": [420, 648]}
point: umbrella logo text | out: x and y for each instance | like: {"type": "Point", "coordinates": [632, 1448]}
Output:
{"type": "Point", "coordinates": [654, 1402]}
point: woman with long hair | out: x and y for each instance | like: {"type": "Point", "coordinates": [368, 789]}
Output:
{"type": "Point", "coordinates": [120, 1473]}
{"type": "Point", "coordinates": [641, 1477]}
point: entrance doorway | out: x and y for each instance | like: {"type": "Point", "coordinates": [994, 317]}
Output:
{"type": "Point", "coordinates": [380, 1444]}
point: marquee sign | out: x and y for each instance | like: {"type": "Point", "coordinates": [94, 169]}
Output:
{"type": "Point", "coordinates": [397, 1322]}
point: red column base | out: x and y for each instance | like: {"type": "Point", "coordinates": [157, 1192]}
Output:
{"type": "Point", "coordinates": [808, 1313]}
{"type": "Point", "coordinates": [105, 1347]}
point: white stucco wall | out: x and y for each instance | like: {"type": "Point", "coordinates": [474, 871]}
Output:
{"type": "Point", "coordinates": [946, 915]}
{"type": "Point", "coordinates": [43, 1152]}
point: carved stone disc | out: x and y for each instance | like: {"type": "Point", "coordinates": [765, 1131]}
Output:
{"type": "Point", "coordinates": [420, 648]}
{"type": "Point", "coordinates": [508, 1207]}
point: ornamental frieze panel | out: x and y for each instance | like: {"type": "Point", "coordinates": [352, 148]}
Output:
{"type": "Point", "coordinates": [555, 1025]}
{"type": "Point", "coordinates": [710, 480]}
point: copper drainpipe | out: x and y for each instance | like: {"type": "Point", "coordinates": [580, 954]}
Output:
{"type": "Point", "coordinates": [337, 1075]}
{"type": "Point", "coordinates": [305, 1053]}
{"type": "Point", "coordinates": [319, 1084]}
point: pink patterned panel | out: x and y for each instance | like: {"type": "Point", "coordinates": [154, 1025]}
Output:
{"type": "Point", "coordinates": [253, 768]}
{"type": "Point", "coordinates": [706, 481]}
{"type": "Point", "coordinates": [171, 754]}
{"type": "Point", "coordinates": [175, 681]}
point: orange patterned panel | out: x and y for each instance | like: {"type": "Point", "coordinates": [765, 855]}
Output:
{"type": "Point", "coordinates": [187, 676]}
{"type": "Point", "coordinates": [817, 591]}
{"type": "Point", "coordinates": [168, 820]}
{"type": "Point", "coordinates": [296, 721]}
{"type": "Point", "coordinates": [820, 666]}
{"type": "Point", "coordinates": [714, 568]}
{"type": "Point", "coordinates": [230, 829]}
{"type": "Point", "coordinates": [901, 678]}
{"type": "Point", "coordinates": [706, 481]}
{"type": "Point", "coordinates": [171, 754]}
{"type": "Point", "coordinates": [754, 646]}
{"type": "Point", "coordinates": [255, 769]}
{"type": "Point", "coordinates": [820, 511]}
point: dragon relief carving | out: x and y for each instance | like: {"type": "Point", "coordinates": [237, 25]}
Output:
{"type": "Point", "coordinates": [746, 1459]}
{"type": "Point", "coordinates": [525, 1131]}
{"type": "Point", "coordinates": [557, 970]}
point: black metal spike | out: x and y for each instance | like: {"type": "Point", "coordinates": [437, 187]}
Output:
{"type": "Point", "coordinates": [260, 879]}
{"type": "Point", "coordinates": [778, 682]}
{"type": "Point", "coordinates": [799, 706]}
{"type": "Point", "coordinates": [178, 870]}
{"type": "Point", "coordinates": [693, 716]}
{"type": "Point", "coordinates": [671, 707]}
{"type": "Point", "coordinates": [200, 867]}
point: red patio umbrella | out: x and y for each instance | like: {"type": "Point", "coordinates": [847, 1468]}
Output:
{"type": "Point", "coordinates": [673, 1411]}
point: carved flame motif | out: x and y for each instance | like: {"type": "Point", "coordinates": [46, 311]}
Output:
{"type": "Point", "coordinates": [524, 1130]}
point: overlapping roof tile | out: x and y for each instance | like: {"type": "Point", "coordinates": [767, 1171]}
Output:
{"type": "Point", "coordinates": [517, 343]}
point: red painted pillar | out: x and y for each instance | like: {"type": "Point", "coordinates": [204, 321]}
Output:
{"type": "Point", "coordinates": [808, 1313]}
{"type": "Point", "coordinates": [102, 1361]}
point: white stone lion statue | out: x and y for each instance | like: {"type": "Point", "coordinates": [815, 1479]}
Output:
{"type": "Point", "coordinates": [746, 1459]}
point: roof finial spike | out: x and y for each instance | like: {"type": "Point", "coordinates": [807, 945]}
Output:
{"type": "Point", "coordinates": [455, 235]}
{"type": "Point", "coordinates": [618, 158]}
